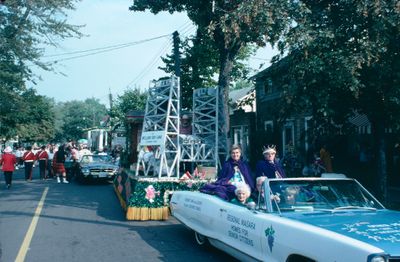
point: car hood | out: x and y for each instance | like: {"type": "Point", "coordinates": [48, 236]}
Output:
{"type": "Point", "coordinates": [379, 228]}
{"type": "Point", "coordinates": [99, 165]}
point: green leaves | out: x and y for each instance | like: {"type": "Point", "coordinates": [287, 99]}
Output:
{"type": "Point", "coordinates": [25, 26]}
{"type": "Point", "coordinates": [77, 116]}
{"type": "Point", "coordinates": [131, 99]}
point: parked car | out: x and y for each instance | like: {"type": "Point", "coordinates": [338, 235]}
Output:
{"type": "Point", "coordinates": [97, 167]}
{"type": "Point", "coordinates": [301, 219]}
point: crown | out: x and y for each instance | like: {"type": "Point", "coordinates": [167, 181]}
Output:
{"type": "Point", "coordinates": [269, 148]}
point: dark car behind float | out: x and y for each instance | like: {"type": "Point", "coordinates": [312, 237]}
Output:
{"type": "Point", "coordinates": [96, 167]}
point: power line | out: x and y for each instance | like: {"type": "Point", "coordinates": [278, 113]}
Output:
{"type": "Point", "coordinates": [185, 28]}
{"type": "Point", "coordinates": [101, 49]}
{"type": "Point", "coordinates": [152, 63]}
{"type": "Point", "coordinates": [157, 57]}
{"type": "Point", "coordinates": [185, 33]}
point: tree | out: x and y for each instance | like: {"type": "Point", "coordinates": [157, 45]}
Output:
{"type": "Point", "coordinates": [342, 59]}
{"type": "Point", "coordinates": [200, 65]}
{"type": "Point", "coordinates": [131, 99]}
{"type": "Point", "coordinates": [26, 26]}
{"type": "Point", "coordinates": [34, 117]}
{"type": "Point", "coordinates": [9, 107]}
{"type": "Point", "coordinates": [77, 116]}
{"type": "Point", "coordinates": [264, 21]}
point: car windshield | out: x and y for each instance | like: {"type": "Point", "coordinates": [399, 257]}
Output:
{"type": "Point", "coordinates": [310, 195]}
{"type": "Point", "coordinates": [95, 159]}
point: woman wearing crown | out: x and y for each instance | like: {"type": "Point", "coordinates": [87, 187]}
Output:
{"type": "Point", "coordinates": [269, 166]}
{"type": "Point", "coordinates": [234, 172]}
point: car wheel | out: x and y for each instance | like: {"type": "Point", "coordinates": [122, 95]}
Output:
{"type": "Point", "coordinates": [299, 258]}
{"type": "Point", "coordinates": [200, 239]}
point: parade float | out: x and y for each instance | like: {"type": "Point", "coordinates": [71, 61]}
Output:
{"type": "Point", "coordinates": [169, 160]}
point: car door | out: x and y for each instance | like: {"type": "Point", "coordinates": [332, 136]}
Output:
{"type": "Point", "coordinates": [241, 229]}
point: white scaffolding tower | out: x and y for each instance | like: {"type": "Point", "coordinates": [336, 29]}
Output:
{"type": "Point", "coordinates": [160, 130]}
{"type": "Point", "coordinates": [208, 123]}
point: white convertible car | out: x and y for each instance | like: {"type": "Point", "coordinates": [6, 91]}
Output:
{"type": "Point", "coordinates": [302, 219]}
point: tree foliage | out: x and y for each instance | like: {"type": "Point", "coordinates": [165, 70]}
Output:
{"type": "Point", "coordinates": [200, 65]}
{"type": "Point", "coordinates": [352, 49]}
{"type": "Point", "coordinates": [231, 24]}
{"type": "Point", "coordinates": [78, 116]}
{"type": "Point", "coordinates": [25, 28]}
{"type": "Point", "coordinates": [131, 99]}
{"type": "Point", "coordinates": [26, 115]}
{"type": "Point", "coordinates": [347, 53]}
{"type": "Point", "coordinates": [342, 58]}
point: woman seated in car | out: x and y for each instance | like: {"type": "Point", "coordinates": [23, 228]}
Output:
{"type": "Point", "coordinates": [234, 171]}
{"type": "Point", "coordinates": [243, 198]}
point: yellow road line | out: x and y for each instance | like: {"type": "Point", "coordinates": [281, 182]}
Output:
{"type": "Point", "coordinates": [29, 234]}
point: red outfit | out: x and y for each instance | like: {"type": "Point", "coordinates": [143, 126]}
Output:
{"type": "Point", "coordinates": [29, 156]}
{"type": "Point", "coordinates": [8, 161]}
{"type": "Point", "coordinates": [58, 167]}
{"type": "Point", "coordinates": [42, 155]}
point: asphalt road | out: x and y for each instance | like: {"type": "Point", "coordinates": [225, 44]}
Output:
{"type": "Point", "coordinates": [45, 221]}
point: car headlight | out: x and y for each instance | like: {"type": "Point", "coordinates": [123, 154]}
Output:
{"type": "Point", "coordinates": [377, 258]}
{"type": "Point", "coordinates": [86, 170]}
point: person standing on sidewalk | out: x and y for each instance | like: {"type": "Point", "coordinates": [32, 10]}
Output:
{"type": "Point", "coordinates": [28, 157]}
{"type": "Point", "coordinates": [59, 168]}
{"type": "Point", "coordinates": [42, 157]}
{"type": "Point", "coordinates": [74, 157]}
{"type": "Point", "coordinates": [50, 152]}
{"type": "Point", "coordinates": [326, 158]}
{"type": "Point", "coordinates": [8, 161]}
{"type": "Point", "coordinates": [18, 154]}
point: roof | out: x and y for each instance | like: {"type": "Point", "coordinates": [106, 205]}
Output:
{"type": "Point", "coordinates": [238, 94]}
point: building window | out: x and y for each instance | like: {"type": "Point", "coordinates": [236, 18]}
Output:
{"type": "Point", "coordinates": [241, 138]}
{"type": "Point", "coordinates": [269, 126]}
{"type": "Point", "coordinates": [288, 137]}
{"type": "Point", "coordinates": [308, 126]}
{"type": "Point", "coordinates": [268, 87]}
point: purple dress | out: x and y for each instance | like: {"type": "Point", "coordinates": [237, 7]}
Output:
{"type": "Point", "coordinates": [268, 169]}
{"type": "Point", "coordinates": [222, 187]}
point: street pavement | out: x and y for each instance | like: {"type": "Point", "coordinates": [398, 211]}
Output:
{"type": "Point", "coordinates": [78, 222]}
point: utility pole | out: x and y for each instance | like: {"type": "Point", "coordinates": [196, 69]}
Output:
{"type": "Point", "coordinates": [177, 57]}
{"type": "Point", "coordinates": [110, 120]}
{"type": "Point", "coordinates": [111, 99]}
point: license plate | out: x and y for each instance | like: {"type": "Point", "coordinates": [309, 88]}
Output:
{"type": "Point", "coordinates": [103, 174]}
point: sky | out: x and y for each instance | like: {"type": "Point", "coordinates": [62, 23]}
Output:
{"type": "Point", "coordinates": [109, 23]}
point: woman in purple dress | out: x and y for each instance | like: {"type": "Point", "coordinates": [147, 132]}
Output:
{"type": "Point", "coordinates": [233, 172]}
{"type": "Point", "coordinates": [269, 166]}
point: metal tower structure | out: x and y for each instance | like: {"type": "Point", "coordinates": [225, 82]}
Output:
{"type": "Point", "coordinates": [222, 126]}
{"type": "Point", "coordinates": [160, 129]}
{"type": "Point", "coordinates": [209, 125]}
